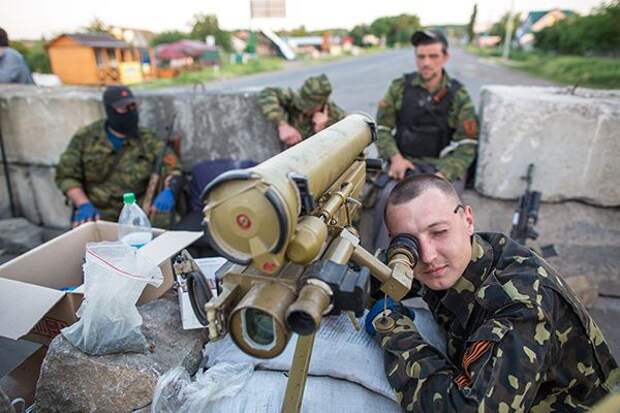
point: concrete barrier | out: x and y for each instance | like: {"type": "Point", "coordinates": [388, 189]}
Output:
{"type": "Point", "coordinates": [571, 138]}
{"type": "Point", "coordinates": [37, 124]}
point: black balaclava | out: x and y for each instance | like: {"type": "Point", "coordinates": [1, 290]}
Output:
{"type": "Point", "coordinates": [125, 123]}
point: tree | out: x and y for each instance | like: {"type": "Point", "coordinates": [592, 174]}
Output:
{"type": "Point", "coordinates": [472, 23]}
{"type": "Point", "coordinates": [170, 36]}
{"type": "Point", "coordinates": [207, 25]}
{"type": "Point", "coordinates": [35, 55]}
{"type": "Point", "coordinates": [598, 33]}
{"type": "Point", "coordinates": [358, 33]}
{"type": "Point", "coordinates": [499, 28]}
{"type": "Point", "coordinates": [97, 25]}
{"type": "Point", "coordinates": [395, 29]}
{"type": "Point", "coordinates": [38, 59]}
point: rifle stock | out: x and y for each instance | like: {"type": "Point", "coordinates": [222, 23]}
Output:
{"type": "Point", "coordinates": [155, 185]}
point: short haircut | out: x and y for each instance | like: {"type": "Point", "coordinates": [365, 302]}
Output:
{"type": "Point", "coordinates": [424, 42]}
{"type": "Point", "coordinates": [413, 186]}
{"type": "Point", "coordinates": [4, 38]}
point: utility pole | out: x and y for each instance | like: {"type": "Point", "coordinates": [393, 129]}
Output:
{"type": "Point", "coordinates": [508, 35]}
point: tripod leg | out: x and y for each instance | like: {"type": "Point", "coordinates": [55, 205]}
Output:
{"type": "Point", "coordinates": [297, 375]}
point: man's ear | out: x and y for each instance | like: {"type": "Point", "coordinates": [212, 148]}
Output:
{"type": "Point", "coordinates": [468, 213]}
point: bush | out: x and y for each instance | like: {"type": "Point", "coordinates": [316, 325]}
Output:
{"type": "Point", "coordinates": [598, 33]}
{"type": "Point", "coordinates": [36, 56]}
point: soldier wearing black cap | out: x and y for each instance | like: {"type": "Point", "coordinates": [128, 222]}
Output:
{"type": "Point", "coordinates": [112, 156]}
{"type": "Point", "coordinates": [426, 123]}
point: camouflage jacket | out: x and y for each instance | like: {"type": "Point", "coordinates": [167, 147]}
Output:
{"type": "Point", "coordinates": [462, 118]}
{"type": "Point", "coordinates": [91, 163]}
{"type": "Point", "coordinates": [281, 104]}
{"type": "Point", "coordinates": [517, 340]}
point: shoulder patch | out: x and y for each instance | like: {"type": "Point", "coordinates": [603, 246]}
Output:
{"type": "Point", "coordinates": [383, 103]}
{"type": "Point", "coordinates": [170, 160]}
{"type": "Point", "coordinates": [470, 126]}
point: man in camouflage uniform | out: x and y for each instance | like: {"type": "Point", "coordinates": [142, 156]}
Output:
{"type": "Point", "coordinates": [112, 156]}
{"type": "Point", "coordinates": [426, 123]}
{"type": "Point", "coordinates": [427, 119]}
{"type": "Point", "coordinates": [300, 115]}
{"type": "Point", "coordinates": [517, 338]}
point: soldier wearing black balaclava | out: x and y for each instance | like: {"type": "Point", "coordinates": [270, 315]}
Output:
{"type": "Point", "coordinates": [113, 156]}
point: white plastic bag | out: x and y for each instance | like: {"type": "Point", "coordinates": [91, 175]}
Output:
{"type": "Point", "coordinates": [114, 277]}
{"type": "Point", "coordinates": [175, 393]}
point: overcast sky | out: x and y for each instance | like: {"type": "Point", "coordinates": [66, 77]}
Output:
{"type": "Point", "coordinates": [31, 19]}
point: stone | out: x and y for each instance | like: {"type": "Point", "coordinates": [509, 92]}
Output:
{"type": "Point", "coordinates": [571, 138]}
{"type": "Point", "coordinates": [72, 381]}
{"type": "Point", "coordinates": [18, 235]}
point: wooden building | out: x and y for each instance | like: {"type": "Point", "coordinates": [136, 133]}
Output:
{"type": "Point", "coordinates": [94, 59]}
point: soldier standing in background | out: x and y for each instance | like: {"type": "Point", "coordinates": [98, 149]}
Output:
{"type": "Point", "coordinates": [112, 156]}
{"type": "Point", "coordinates": [426, 123]}
{"type": "Point", "coordinates": [517, 338]}
{"type": "Point", "coordinates": [13, 67]}
{"type": "Point", "coordinates": [300, 115]}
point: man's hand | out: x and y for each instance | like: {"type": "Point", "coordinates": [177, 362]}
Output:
{"type": "Point", "coordinates": [399, 166]}
{"type": "Point", "coordinates": [320, 119]}
{"type": "Point", "coordinates": [288, 134]}
{"type": "Point", "coordinates": [164, 201]}
{"type": "Point", "coordinates": [84, 213]}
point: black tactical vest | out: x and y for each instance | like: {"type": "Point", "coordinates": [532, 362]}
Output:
{"type": "Point", "coordinates": [422, 126]}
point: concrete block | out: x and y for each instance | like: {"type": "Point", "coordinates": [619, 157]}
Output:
{"type": "Point", "coordinates": [23, 194]}
{"type": "Point", "coordinates": [572, 139]}
{"type": "Point", "coordinates": [212, 125]}
{"type": "Point", "coordinates": [49, 201]}
{"type": "Point", "coordinates": [38, 123]}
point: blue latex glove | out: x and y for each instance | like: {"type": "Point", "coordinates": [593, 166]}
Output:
{"type": "Point", "coordinates": [377, 308]}
{"type": "Point", "coordinates": [85, 212]}
{"type": "Point", "coordinates": [164, 202]}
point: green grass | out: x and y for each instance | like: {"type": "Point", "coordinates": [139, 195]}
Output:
{"type": "Point", "coordinates": [595, 72]}
{"type": "Point", "coordinates": [226, 70]}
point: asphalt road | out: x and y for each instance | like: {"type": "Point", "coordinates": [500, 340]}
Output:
{"type": "Point", "coordinates": [360, 82]}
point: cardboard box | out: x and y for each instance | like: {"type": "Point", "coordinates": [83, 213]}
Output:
{"type": "Point", "coordinates": [32, 303]}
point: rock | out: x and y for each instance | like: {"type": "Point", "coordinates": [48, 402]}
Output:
{"type": "Point", "coordinates": [585, 288]}
{"type": "Point", "coordinates": [72, 381]}
{"type": "Point", "coordinates": [18, 235]}
{"type": "Point", "coordinates": [571, 138]}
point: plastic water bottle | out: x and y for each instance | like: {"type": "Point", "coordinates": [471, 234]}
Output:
{"type": "Point", "coordinates": [134, 227]}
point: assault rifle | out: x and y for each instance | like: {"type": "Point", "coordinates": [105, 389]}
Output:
{"type": "Point", "coordinates": [155, 182]}
{"type": "Point", "coordinates": [525, 216]}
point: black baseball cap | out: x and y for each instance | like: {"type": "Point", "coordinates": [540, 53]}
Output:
{"type": "Point", "coordinates": [427, 37]}
{"type": "Point", "coordinates": [118, 96]}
